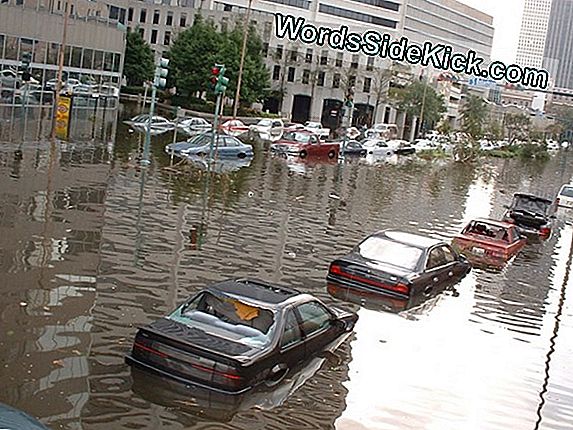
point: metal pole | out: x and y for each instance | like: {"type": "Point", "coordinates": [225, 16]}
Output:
{"type": "Point", "coordinates": [243, 50]}
{"type": "Point", "coordinates": [60, 71]}
{"type": "Point", "coordinates": [144, 97]}
{"type": "Point", "coordinates": [215, 126]}
{"type": "Point", "coordinates": [422, 109]}
{"type": "Point", "coordinates": [147, 144]}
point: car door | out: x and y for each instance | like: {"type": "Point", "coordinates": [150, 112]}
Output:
{"type": "Point", "coordinates": [317, 325]}
{"type": "Point", "coordinates": [439, 269]}
{"type": "Point", "coordinates": [313, 145]}
{"type": "Point", "coordinates": [291, 348]}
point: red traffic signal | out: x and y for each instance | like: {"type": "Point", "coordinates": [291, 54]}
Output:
{"type": "Point", "coordinates": [215, 70]}
{"type": "Point", "coordinates": [214, 76]}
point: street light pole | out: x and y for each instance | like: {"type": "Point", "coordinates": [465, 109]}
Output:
{"type": "Point", "coordinates": [60, 71]}
{"type": "Point", "coordinates": [243, 50]}
{"type": "Point", "coordinates": [423, 105]}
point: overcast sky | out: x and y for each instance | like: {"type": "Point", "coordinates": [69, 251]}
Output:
{"type": "Point", "coordinates": [507, 22]}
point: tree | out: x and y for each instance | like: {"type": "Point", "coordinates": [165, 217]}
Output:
{"type": "Point", "coordinates": [408, 100]}
{"type": "Point", "coordinates": [516, 126]}
{"type": "Point", "coordinates": [138, 63]}
{"type": "Point", "coordinates": [473, 116]}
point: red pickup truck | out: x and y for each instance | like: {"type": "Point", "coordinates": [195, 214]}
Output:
{"type": "Point", "coordinates": [489, 242]}
{"type": "Point", "coordinates": [305, 143]}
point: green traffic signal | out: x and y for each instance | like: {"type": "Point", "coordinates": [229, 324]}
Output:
{"type": "Point", "coordinates": [161, 72]}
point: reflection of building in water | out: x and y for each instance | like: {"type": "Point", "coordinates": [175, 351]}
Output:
{"type": "Point", "coordinates": [95, 43]}
{"type": "Point", "coordinates": [52, 213]}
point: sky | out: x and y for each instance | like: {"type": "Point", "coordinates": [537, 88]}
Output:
{"type": "Point", "coordinates": [507, 23]}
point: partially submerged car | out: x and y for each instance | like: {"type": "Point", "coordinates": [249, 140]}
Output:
{"type": "Point", "coordinates": [267, 128]}
{"type": "Point", "coordinates": [488, 242]}
{"type": "Point", "coordinates": [317, 128]}
{"type": "Point", "coordinates": [194, 125]}
{"type": "Point", "coordinates": [401, 147]}
{"type": "Point", "coordinates": [352, 147]}
{"type": "Point", "coordinates": [533, 215]}
{"type": "Point", "coordinates": [238, 334]}
{"type": "Point", "coordinates": [377, 147]}
{"type": "Point", "coordinates": [304, 143]}
{"type": "Point", "coordinates": [400, 264]}
{"type": "Point", "coordinates": [159, 124]}
{"type": "Point", "coordinates": [565, 196]}
{"type": "Point", "coordinates": [234, 127]}
{"type": "Point", "coordinates": [200, 146]}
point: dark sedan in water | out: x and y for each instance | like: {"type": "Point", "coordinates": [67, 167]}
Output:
{"type": "Point", "coordinates": [238, 334]}
{"type": "Point", "coordinates": [400, 264]}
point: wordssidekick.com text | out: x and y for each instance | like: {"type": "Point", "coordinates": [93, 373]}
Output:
{"type": "Point", "coordinates": [439, 56]}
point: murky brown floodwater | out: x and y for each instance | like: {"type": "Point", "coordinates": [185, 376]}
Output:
{"type": "Point", "coordinates": [91, 246]}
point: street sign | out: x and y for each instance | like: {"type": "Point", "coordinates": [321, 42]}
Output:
{"type": "Point", "coordinates": [63, 117]}
{"type": "Point", "coordinates": [481, 82]}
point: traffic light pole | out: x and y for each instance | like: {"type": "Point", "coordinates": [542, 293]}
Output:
{"type": "Point", "coordinates": [146, 146]}
{"type": "Point", "coordinates": [215, 127]}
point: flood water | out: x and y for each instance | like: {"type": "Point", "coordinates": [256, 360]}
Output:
{"type": "Point", "coordinates": [91, 246]}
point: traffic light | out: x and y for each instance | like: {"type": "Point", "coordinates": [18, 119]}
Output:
{"type": "Point", "coordinates": [161, 72]}
{"type": "Point", "coordinates": [349, 102]}
{"type": "Point", "coordinates": [218, 80]}
{"type": "Point", "coordinates": [25, 66]}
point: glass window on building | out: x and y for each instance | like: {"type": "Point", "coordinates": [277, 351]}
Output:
{"type": "Point", "coordinates": [339, 59]}
{"type": "Point", "coordinates": [267, 32]}
{"type": "Point", "coordinates": [11, 49]}
{"type": "Point", "coordinates": [116, 62]}
{"type": "Point", "coordinates": [354, 63]}
{"type": "Point", "coordinates": [324, 58]}
{"type": "Point", "coordinates": [53, 50]}
{"type": "Point", "coordinates": [130, 14]}
{"type": "Point", "coordinates": [336, 80]}
{"type": "Point", "coordinates": [305, 76]}
{"type": "Point", "coordinates": [227, 8]}
{"type": "Point", "coordinates": [26, 46]}
{"type": "Point", "coordinates": [167, 38]}
{"type": "Point", "coordinates": [67, 55]}
{"type": "Point", "coordinates": [143, 15]}
{"type": "Point", "coordinates": [108, 62]}
{"type": "Point", "coordinates": [153, 37]}
{"type": "Point", "coordinates": [370, 64]}
{"type": "Point", "coordinates": [320, 79]}
{"type": "Point", "coordinates": [2, 40]}
{"type": "Point", "coordinates": [40, 52]}
{"type": "Point", "coordinates": [141, 32]}
{"type": "Point", "coordinates": [290, 75]}
{"type": "Point", "coordinates": [88, 58]}
{"type": "Point", "coordinates": [76, 57]}
{"type": "Point", "coordinates": [183, 20]}
{"type": "Point", "coordinates": [169, 19]}
{"type": "Point", "coordinates": [265, 50]}
{"type": "Point", "coordinates": [156, 16]}
{"type": "Point", "coordinates": [352, 81]}
{"type": "Point", "coordinates": [308, 56]}
{"type": "Point", "coordinates": [98, 60]}
{"type": "Point", "coordinates": [279, 52]}
{"type": "Point", "coordinates": [276, 72]}
{"type": "Point", "coordinates": [294, 55]}
{"type": "Point", "coordinates": [367, 85]}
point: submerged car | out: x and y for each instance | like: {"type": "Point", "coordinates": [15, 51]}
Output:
{"type": "Point", "coordinates": [488, 242]}
{"type": "Point", "coordinates": [533, 215]}
{"type": "Point", "coordinates": [194, 125]}
{"type": "Point", "coordinates": [565, 196]}
{"type": "Point", "coordinates": [377, 147]}
{"type": "Point", "coordinates": [238, 334]}
{"type": "Point", "coordinates": [267, 128]}
{"type": "Point", "coordinates": [400, 264]}
{"type": "Point", "coordinates": [234, 127]}
{"type": "Point", "coordinates": [352, 147]}
{"type": "Point", "coordinates": [401, 147]}
{"type": "Point", "coordinates": [200, 146]}
{"type": "Point", "coordinates": [159, 124]}
{"type": "Point", "coordinates": [304, 143]}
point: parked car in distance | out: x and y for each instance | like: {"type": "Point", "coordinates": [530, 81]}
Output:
{"type": "Point", "coordinates": [377, 147]}
{"type": "Point", "coordinates": [401, 147]}
{"type": "Point", "coordinates": [234, 127]}
{"type": "Point", "coordinates": [194, 125]}
{"type": "Point", "coordinates": [424, 145]}
{"type": "Point", "coordinates": [400, 264]}
{"type": "Point", "coordinates": [200, 146]}
{"type": "Point", "coordinates": [305, 143]}
{"type": "Point", "coordinates": [237, 334]}
{"type": "Point", "coordinates": [533, 215]}
{"type": "Point", "coordinates": [565, 196]}
{"type": "Point", "coordinates": [267, 128]}
{"type": "Point", "coordinates": [352, 147]}
{"type": "Point", "coordinates": [317, 128]}
{"type": "Point", "coordinates": [382, 131]}
{"type": "Point", "coordinates": [488, 242]}
{"type": "Point", "coordinates": [159, 124]}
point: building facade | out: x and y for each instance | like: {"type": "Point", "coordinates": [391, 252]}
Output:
{"type": "Point", "coordinates": [558, 56]}
{"type": "Point", "coordinates": [533, 33]}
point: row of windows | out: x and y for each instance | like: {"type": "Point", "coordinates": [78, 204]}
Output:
{"type": "Point", "coordinates": [320, 78]}
{"type": "Point", "coordinates": [156, 20]}
{"type": "Point", "coordinates": [12, 48]}
{"type": "Point", "coordinates": [449, 16]}
{"type": "Point", "coordinates": [356, 16]}
{"type": "Point", "coordinates": [293, 56]}
{"type": "Point", "coordinates": [155, 36]}
{"type": "Point", "coordinates": [385, 4]}
{"type": "Point", "coordinates": [302, 4]}
{"type": "Point", "coordinates": [44, 75]}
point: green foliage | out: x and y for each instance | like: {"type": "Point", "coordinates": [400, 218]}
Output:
{"type": "Point", "coordinates": [200, 47]}
{"type": "Point", "coordinates": [494, 131]}
{"type": "Point", "coordinates": [516, 126]}
{"type": "Point", "coordinates": [431, 154]}
{"type": "Point", "coordinates": [138, 63]}
{"type": "Point", "coordinates": [532, 150]}
{"type": "Point", "coordinates": [473, 116]}
{"type": "Point", "coordinates": [409, 100]}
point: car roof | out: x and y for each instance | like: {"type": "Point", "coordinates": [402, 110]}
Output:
{"type": "Point", "coordinates": [254, 291]}
{"type": "Point", "coordinates": [532, 197]}
{"type": "Point", "coordinates": [493, 222]}
{"type": "Point", "coordinates": [411, 239]}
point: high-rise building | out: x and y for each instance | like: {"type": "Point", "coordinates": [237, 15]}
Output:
{"type": "Point", "coordinates": [558, 57]}
{"type": "Point", "coordinates": [531, 42]}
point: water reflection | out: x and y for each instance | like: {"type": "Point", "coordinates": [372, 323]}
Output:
{"type": "Point", "coordinates": [93, 246]}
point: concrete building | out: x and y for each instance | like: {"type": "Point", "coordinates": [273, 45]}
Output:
{"type": "Point", "coordinates": [517, 97]}
{"type": "Point", "coordinates": [531, 44]}
{"type": "Point", "coordinates": [95, 42]}
{"type": "Point", "coordinates": [558, 57]}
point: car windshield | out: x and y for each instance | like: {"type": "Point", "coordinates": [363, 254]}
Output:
{"type": "Point", "coordinates": [265, 122]}
{"type": "Point", "coordinates": [567, 192]}
{"type": "Point", "coordinates": [489, 230]}
{"type": "Point", "coordinates": [530, 204]}
{"type": "Point", "coordinates": [228, 317]}
{"type": "Point", "coordinates": [295, 136]}
{"type": "Point", "coordinates": [202, 139]}
{"type": "Point", "coordinates": [387, 251]}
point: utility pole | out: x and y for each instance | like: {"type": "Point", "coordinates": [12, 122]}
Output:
{"type": "Point", "coordinates": [60, 70]}
{"type": "Point", "coordinates": [243, 51]}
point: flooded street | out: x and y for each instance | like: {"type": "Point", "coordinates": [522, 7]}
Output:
{"type": "Point", "coordinates": [92, 246]}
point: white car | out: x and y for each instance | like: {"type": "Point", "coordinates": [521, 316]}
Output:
{"type": "Point", "coordinates": [377, 147]}
{"type": "Point", "coordinates": [553, 145]}
{"type": "Point", "coordinates": [159, 124]}
{"type": "Point", "coordinates": [317, 128]}
{"type": "Point", "coordinates": [565, 196]}
{"type": "Point", "coordinates": [194, 125]}
{"type": "Point", "coordinates": [266, 128]}
{"type": "Point", "coordinates": [486, 145]}
{"type": "Point", "coordinates": [424, 145]}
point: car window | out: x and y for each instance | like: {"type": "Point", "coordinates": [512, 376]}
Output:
{"type": "Point", "coordinates": [390, 252]}
{"type": "Point", "coordinates": [314, 317]}
{"type": "Point", "coordinates": [449, 254]}
{"type": "Point", "coordinates": [230, 142]}
{"type": "Point", "coordinates": [277, 124]}
{"type": "Point", "coordinates": [292, 333]}
{"type": "Point", "coordinates": [566, 191]}
{"type": "Point", "coordinates": [436, 258]}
